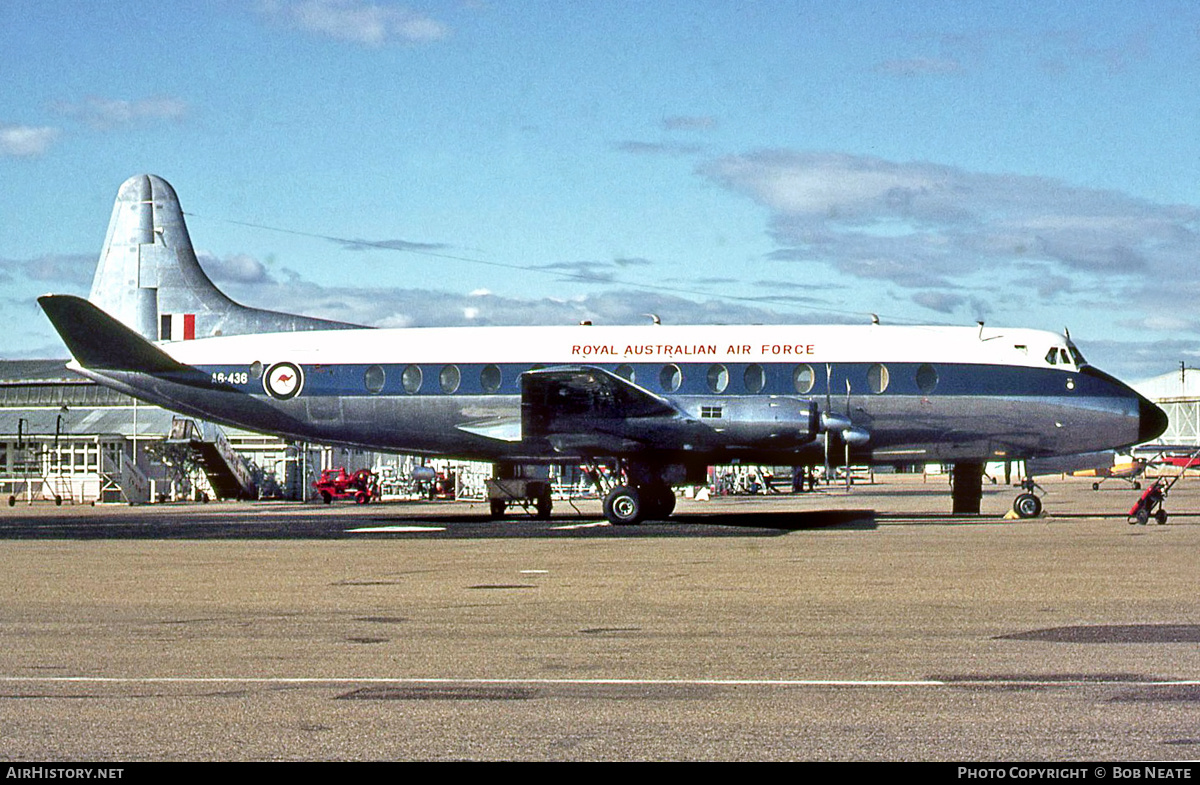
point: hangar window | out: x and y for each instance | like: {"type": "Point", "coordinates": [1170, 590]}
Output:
{"type": "Point", "coordinates": [449, 379]}
{"type": "Point", "coordinates": [411, 379]}
{"type": "Point", "coordinates": [490, 378]}
{"type": "Point", "coordinates": [718, 378]}
{"type": "Point", "coordinates": [877, 378]}
{"type": "Point", "coordinates": [927, 378]}
{"type": "Point", "coordinates": [803, 378]}
{"type": "Point", "coordinates": [374, 379]}
{"type": "Point", "coordinates": [755, 378]}
{"type": "Point", "coordinates": [625, 372]}
{"type": "Point", "coordinates": [670, 378]}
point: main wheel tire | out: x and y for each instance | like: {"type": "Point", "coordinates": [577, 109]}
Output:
{"type": "Point", "coordinates": [660, 502]}
{"type": "Point", "coordinates": [624, 506]}
{"type": "Point", "coordinates": [543, 506]}
{"type": "Point", "coordinates": [1027, 506]}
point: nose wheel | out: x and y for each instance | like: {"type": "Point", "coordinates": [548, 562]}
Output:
{"type": "Point", "coordinates": [1027, 505]}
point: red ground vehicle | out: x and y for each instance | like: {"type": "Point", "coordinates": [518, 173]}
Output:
{"type": "Point", "coordinates": [1150, 504]}
{"type": "Point", "coordinates": [337, 484]}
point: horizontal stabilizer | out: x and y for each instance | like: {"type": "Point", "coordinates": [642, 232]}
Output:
{"type": "Point", "coordinates": [99, 341]}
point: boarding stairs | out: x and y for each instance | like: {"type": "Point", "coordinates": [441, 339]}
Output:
{"type": "Point", "coordinates": [227, 472]}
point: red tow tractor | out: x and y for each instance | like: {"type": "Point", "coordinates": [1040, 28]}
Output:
{"type": "Point", "coordinates": [338, 484]}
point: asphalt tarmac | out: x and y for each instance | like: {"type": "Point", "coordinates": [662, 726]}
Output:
{"type": "Point", "coordinates": [868, 625]}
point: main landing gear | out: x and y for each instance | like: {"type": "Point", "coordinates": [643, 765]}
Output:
{"type": "Point", "coordinates": [643, 494]}
{"type": "Point", "coordinates": [626, 505]}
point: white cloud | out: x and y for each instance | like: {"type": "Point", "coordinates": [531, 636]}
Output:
{"type": "Point", "coordinates": [395, 307]}
{"type": "Point", "coordinates": [238, 268]}
{"type": "Point", "coordinates": [107, 113]}
{"type": "Point", "coordinates": [943, 302]}
{"type": "Point", "coordinates": [75, 270]}
{"type": "Point", "coordinates": [357, 21]}
{"type": "Point", "coordinates": [924, 225]}
{"type": "Point", "coordinates": [24, 141]}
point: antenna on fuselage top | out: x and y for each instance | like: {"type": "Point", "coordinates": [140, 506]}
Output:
{"type": "Point", "coordinates": [653, 317]}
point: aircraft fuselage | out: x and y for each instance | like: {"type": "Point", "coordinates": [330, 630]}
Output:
{"type": "Point", "coordinates": [919, 393]}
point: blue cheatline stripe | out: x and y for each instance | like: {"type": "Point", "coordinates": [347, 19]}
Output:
{"type": "Point", "coordinates": [912, 379]}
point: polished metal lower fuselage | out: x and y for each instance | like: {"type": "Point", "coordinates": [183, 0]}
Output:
{"type": "Point", "coordinates": [1049, 412]}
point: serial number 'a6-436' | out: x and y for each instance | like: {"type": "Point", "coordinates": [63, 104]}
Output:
{"type": "Point", "coordinates": [237, 377]}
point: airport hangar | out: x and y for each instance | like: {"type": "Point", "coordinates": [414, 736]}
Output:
{"type": "Point", "coordinates": [66, 439]}
{"type": "Point", "coordinates": [1178, 394]}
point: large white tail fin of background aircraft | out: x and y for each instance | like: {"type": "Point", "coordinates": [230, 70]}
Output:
{"type": "Point", "coordinates": [149, 279]}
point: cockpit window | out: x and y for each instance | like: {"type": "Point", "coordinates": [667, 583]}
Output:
{"type": "Point", "coordinates": [1058, 355]}
{"type": "Point", "coordinates": [1077, 355]}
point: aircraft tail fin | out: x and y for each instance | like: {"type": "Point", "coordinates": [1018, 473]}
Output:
{"type": "Point", "coordinates": [149, 279]}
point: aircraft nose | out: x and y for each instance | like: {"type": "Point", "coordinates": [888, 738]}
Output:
{"type": "Point", "coordinates": [1152, 421]}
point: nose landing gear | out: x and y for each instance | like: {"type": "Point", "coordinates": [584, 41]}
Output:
{"type": "Point", "coordinates": [1027, 505]}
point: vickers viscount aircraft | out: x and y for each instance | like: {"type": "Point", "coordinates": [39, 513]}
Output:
{"type": "Point", "coordinates": [659, 404]}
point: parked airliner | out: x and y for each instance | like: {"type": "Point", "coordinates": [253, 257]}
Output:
{"type": "Point", "coordinates": [658, 403]}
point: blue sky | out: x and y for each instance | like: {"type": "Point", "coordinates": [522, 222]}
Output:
{"type": "Point", "coordinates": [544, 162]}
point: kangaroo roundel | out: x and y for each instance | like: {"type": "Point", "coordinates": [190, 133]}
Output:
{"type": "Point", "coordinates": [283, 381]}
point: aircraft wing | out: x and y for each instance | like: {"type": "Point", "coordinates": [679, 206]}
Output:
{"type": "Point", "coordinates": [587, 410]}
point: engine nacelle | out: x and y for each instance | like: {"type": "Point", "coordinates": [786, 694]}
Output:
{"type": "Point", "coordinates": [758, 421]}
